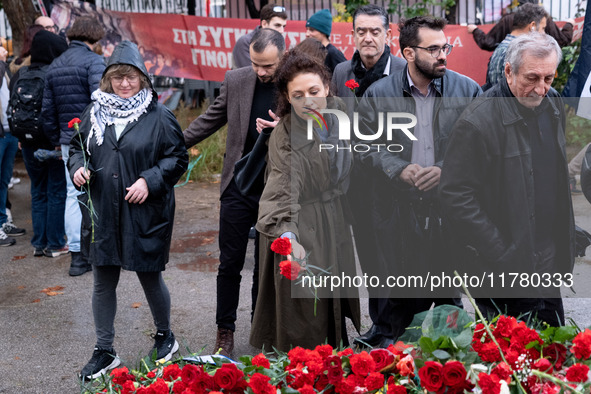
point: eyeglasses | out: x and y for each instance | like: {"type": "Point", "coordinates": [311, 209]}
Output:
{"type": "Point", "coordinates": [434, 51]}
{"type": "Point", "coordinates": [278, 8]}
{"type": "Point", "coordinates": [128, 78]}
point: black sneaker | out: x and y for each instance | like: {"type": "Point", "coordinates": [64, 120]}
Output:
{"type": "Point", "coordinates": [572, 183]}
{"type": "Point", "coordinates": [39, 252]}
{"type": "Point", "coordinates": [5, 240]}
{"type": "Point", "coordinates": [13, 231]}
{"type": "Point", "coordinates": [165, 345]}
{"type": "Point", "coordinates": [102, 360]}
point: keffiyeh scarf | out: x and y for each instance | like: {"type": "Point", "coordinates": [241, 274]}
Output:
{"type": "Point", "coordinates": [110, 109]}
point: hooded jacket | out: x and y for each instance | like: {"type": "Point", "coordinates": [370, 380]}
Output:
{"type": "Point", "coordinates": [70, 81]}
{"type": "Point", "coordinates": [134, 236]}
{"type": "Point", "coordinates": [46, 46]}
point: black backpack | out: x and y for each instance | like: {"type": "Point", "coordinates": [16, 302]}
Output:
{"type": "Point", "coordinates": [24, 110]}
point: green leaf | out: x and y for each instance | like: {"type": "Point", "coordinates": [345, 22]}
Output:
{"type": "Point", "coordinates": [464, 339]}
{"type": "Point", "coordinates": [427, 345]}
{"type": "Point", "coordinates": [441, 354]}
{"type": "Point", "coordinates": [564, 334]}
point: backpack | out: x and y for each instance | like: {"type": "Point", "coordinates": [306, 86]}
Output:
{"type": "Point", "coordinates": [24, 106]}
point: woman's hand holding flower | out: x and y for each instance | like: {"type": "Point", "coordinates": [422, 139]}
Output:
{"type": "Point", "coordinates": [81, 176]}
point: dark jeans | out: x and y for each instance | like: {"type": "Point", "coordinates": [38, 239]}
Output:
{"type": "Point", "coordinates": [48, 200]}
{"type": "Point", "coordinates": [104, 301]}
{"type": "Point", "coordinates": [8, 148]}
{"type": "Point", "coordinates": [237, 215]}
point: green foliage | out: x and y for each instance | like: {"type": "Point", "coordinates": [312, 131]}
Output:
{"type": "Point", "coordinates": [420, 8]}
{"type": "Point", "coordinates": [570, 54]}
{"type": "Point", "coordinates": [212, 149]}
{"type": "Point", "coordinates": [352, 5]}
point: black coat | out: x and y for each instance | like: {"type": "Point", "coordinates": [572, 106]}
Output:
{"type": "Point", "coordinates": [487, 187]}
{"type": "Point", "coordinates": [134, 236]}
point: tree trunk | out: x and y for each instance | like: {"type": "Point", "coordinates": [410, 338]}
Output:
{"type": "Point", "coordinates": [20, 14]}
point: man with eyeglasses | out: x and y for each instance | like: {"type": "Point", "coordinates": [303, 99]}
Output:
{"type": "Point", "coordinates": [272, 17]}
{"type": "Point", "coordinates": [47, 23]}
{"type": "Point", "coordinates": [404, 205]}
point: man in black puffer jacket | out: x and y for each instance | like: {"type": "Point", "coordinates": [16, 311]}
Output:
{"type": "Point", "coordinates": [70, 80]}
{"type": "Point", "coordinates": [504, 187]}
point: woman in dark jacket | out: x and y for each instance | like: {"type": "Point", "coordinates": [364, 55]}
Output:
{"type": "Point", "coordinates": [128, 155]}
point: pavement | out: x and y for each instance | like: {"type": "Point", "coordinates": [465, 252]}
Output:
{"type": "Point", "coordinates": [46, 326]}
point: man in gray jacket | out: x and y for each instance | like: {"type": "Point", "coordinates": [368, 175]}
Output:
{"type": "Point", "coordinates": [404, 205]}
{"type": "Point", "coordinates": [371, 62]}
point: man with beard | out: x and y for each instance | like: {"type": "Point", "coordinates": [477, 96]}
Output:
{"type": "Point", "coordinates": [246, 94]}
{"type": "Point", "coordinates": [371, 62]}
{"type": "Point", "coordinates": [405, 210]}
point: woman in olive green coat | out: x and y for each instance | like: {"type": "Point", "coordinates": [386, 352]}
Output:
{"type": "Point", "coordinates": [303, 199]}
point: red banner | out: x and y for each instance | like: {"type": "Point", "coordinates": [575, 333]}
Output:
{"type": "Point", "coordinates": [201, 48]}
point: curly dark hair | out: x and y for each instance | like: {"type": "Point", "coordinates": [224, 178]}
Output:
{"type": "Point", "coordinates": [292, 64]}
{"type": "Point", "coordinates": [409, 29]}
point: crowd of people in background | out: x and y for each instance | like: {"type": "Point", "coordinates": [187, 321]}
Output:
{"type": "Point", "coordinates": [486, 188]}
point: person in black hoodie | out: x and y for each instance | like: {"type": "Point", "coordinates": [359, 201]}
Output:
{"type": "Point", "coordinates": [128, 155]}
{"type": "Point", "coordinates": [48, 180]}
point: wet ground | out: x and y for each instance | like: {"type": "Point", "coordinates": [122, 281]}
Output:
{"type": "Point", "coordinates": [46, 327]}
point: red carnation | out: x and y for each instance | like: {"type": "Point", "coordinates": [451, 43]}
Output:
{"type": "Point", "coordinates": [259, 384]}
{"type": "Point", "coordinates": [543, 365]}
{"type": "Point", "coordinates": [307, 389]}
{"type": "Point", "coordinates": [505, 326]}
{"type": "Point", "coordinates": [282, 246]}
{"type": "Point", "coordinates": [128, 388]}
{"type": "Point", "coordinates": [489, 384]}
{"type": "Point", "coordinates": [228, 376]}
{"type": "Point", "coordinates": [454, 373]}
{"type": "Point", "coordinates": [502, 371]}
{"type": "Point", "coordinates": [396, 389]}
{"type": "Point", "coordinates": [290, 269]}
{"type": "Point", "coordinates": [374, 381]}
{"type": "Point", "coordinates": [74, 122]}
{"type": "Point", "coordinates": [431, 376]}
{"type": "Point", "coordinates": [352, 84]}
{"type": "Point", "coordinates": [582, 345]}
{"type": "Point", "coordinates": [578, 373]}
{"type": "Point", "coordinates": [324, 350]}
{"type": "Point", "coordinates": [489, 352]}
{"type": "Point", "coordinates": [171, 372]}
{"type": "Point", "coordinates": [362, 364]}
{"type": "Point", "coordinates": [261, 361]}
{"type": "Point", "coordinates": [384, 359]}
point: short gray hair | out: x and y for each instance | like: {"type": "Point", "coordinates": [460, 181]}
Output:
{"type": "Point", "coordinates": [539, 45]}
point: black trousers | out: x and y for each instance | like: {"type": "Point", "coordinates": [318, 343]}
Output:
{"type": "Point", "coordinates": [237, 215]}
{"type": "Point", "coordinates": [547, 307]}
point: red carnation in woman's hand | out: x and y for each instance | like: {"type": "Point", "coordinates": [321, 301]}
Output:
{"type": "Point", "coordinates": [289, 269]}
{"type": "Point", "coordinates": [282, 246]}
{"type": "Point", "coordinates": [351, 84]}
{"type": "Point", "coordinates": [73, 123]}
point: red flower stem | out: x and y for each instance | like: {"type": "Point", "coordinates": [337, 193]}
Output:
{"type": "Point", "coordinates": [488, 331]}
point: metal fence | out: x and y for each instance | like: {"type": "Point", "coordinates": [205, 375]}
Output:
{"type": "Point", "coordinates": [465, 11]}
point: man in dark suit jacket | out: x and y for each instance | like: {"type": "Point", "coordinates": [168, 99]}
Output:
{"type": "Point", "coordinates": [246, 94]}
{"type": "Point", "coordinates": [371, 62]}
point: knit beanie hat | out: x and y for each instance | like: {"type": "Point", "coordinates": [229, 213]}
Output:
{"type": "Point", "coordinates": [321, 21]}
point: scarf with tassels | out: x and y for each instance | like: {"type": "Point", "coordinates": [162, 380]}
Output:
{"type": "Point", "coordinates": [110, 109]}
